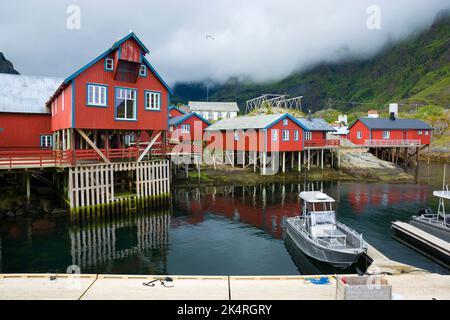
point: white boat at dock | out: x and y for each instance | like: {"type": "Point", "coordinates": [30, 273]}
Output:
{"type": "Point", "coordinates": [317, 233]}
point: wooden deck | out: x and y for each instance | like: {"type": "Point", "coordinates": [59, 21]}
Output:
{"type": "Point", "coordinates": [424, 286]}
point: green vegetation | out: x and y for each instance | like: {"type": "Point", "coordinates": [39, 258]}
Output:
{"type": "Point", "coordinates": [414, 73]}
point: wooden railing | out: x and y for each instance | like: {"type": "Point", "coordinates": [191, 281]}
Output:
{"type": "Point", "coordinates": [391, 142]}
{"type": "Point", "coordinates": [321, 143]}
{"type": "Point", "coordinates": [39, 158]}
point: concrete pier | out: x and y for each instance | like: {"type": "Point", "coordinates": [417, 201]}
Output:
{"type": "Point", "coordinates": [422, 286]}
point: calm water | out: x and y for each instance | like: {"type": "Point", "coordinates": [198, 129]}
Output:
{"type": "Point", "coordinates": [226, 230]}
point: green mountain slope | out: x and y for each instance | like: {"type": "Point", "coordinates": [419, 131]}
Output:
{"type": "Point", "coordinates": [413, 72]}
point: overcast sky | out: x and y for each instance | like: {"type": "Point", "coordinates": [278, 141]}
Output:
{"type": "Point", "coordinates": [193, 40]}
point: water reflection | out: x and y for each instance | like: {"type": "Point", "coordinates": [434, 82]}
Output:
{"type": "Point", "coordinates": [96, 242]}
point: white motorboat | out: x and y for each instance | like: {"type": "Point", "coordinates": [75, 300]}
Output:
{"type": "Point", "coordinates": [317, 233]}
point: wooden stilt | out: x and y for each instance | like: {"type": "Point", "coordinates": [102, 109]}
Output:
{"type": "Point", "coordinates": [299, 161]}
{"type": "Point", "coordinates": [284, 162]}
{"type": "Point", "coordinates": [321, 160]}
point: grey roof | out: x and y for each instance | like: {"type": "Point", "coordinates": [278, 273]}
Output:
{"type": "Point", "coordinates": [397, 124]}
{"type": "Point", "coordinates": [26, 94]}
{"type": "Point", "coordinates": [213, 106]}
{"type": "Point", "coordinates": [255, 122]}
{"type": "Point", "coordinates": [315, 124]}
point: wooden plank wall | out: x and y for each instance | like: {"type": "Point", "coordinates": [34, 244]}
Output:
{"type": "Point", "coordinates": [91, 185]}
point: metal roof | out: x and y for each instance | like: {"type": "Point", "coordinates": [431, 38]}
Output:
{"type": "Point", "coordinates": [26, 94]}
{"type": "Point", "coordinates": [213, 106]}
{"type": "Point", "coordinates": [315, 196]}
{"type": "Point", "coordinates": [315, 124]}
{"type": "Point", "coordinates": [397, 124]}
{"type": "Point", "coordinates": [247, 122]}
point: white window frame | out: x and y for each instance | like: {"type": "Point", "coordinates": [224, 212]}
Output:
{"type": "Point", "coordinates": [308, 135]}
{"type": "Point", "coordinates": [143, 70]}
{"type": "Point", "coordinates": [102, 90]}
{"type": "Point", "coordinates": [152, 100]}
{"type": "Point", "coordinates": [386, 134]}
{"type": "Point", "coordinates": [274, 134]}
{"type": "Point", "coordinates": [285, 135]}
{"type": "Point", "coordinates": [185, 128]}
{"type": "Point", "coordinates": [46, 141]}
{"type": "Point", "coordinates": [285, 122]}
{"type": "Point", "coordinates": [236, 135]}
{"type": "Point", "coordinates": [295, 135]}
{"type": "Point", "coordinates": [111, 61]}
{"type": "Point", "coordinates": [359, 134]}
{"type": "Point", "coordinates": [419, 132]}
{"type": "Point", "coordinates": [127, 95]}
{"type": "Point", "coordinates": [426, 132]}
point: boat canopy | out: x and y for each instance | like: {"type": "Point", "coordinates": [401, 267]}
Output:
{"type": "Point", "coordinates": [315, 196]}
{"type": "Point", "coordinates": [442, 194]}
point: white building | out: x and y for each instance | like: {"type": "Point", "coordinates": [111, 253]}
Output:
{"type": "Point", "coordinates": [214, 110]}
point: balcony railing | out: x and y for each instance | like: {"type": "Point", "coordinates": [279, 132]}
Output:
{"type": "Point", "coordinates": [321, 143]}
{"type": "Point", "coordinates": [391, 142]}
{"type": "Point", "coordinates": [39, 158]}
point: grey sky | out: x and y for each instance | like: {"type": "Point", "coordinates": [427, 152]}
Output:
{"type": "Point", "coordinates": [259, 39]}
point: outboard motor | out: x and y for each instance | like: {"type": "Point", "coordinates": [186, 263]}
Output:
{"type": "Point", "coordinates": [425, 211]}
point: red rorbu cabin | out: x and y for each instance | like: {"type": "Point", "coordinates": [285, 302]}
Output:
{"type": "Point", "coordinates": [374, 132]}
{"type": "Point", "coordinates": [187, 128]}
{"type": "Point", "coordinates": [25, 122]}
{"type": "Point", "coordinates": [115, 105]}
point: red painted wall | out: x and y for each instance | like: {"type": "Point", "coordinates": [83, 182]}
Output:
{"type": "Point", "coordinates": [197, 128]}
{"type": "Point", "coordinates": [253, 140]}
{"type": "Point", "coordinates": [399, 135]}
{"type": "Point", "coordinates": [353, 131]}
{"type": "Point", "coordinates": [23, 130]}
{"type": "Point", "coordinates": [394, 134]}
{"type": "Point", "coordinates": [88, 117]}
{"type": "Point", "coordinates": [62, 117]}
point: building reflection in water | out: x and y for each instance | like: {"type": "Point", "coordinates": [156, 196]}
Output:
{"type": "Point", "coordinates": [265, 207]}
{"type": "Point", "coordinates": [96, 241]}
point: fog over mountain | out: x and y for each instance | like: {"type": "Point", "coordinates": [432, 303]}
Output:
{"type": "Point", "coordinates": [200, 39]}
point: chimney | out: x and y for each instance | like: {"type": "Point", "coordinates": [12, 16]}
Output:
{"type": "Point", "coordinates": [393, 107]}
{"type": "Point", "coordinates": [309, 115]}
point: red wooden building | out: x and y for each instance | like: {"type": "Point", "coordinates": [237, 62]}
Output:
{"type": "Point", "coordinates": [115, 101]}
{"type": "Point", "coordinates": [188, 127]}
{"type": "Point", "coordinates": [25, 122]}
{"type": "Point", "coordinates": [373, 132]}
{"type": "Point", "coordinates": [268, 135]}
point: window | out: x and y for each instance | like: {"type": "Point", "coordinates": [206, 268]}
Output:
{"type": "Point", "coordinates": [359, 134]}
{"type": "Point", "coordinates": [308, 135]}
{"type": "Point", "coordinates": [236, 135]}
{"type": "Point", "coordinates": [219, 115]}
{"type": "Point", "coordinates": [386, 134]}
{"type": "Point", "coordinates": [285, 122]}
{"type": "Point", "coordinates": [96, 95]}
{"type": "Point", "coordinates": [185, 128]}
{"type": "Point", "coordinates": [129, 139]}
{"type": "Point", "coordinates": [125, 104]}
{"type": "Point", "coordinates": [285, 135]}
{"type": "Point", "coordinates": [419, 132]}
{"type": "Point", "coordinates": [109, 64]}
{"type": "Point", "coordinates": [275, 135]}
{"type": "Point", "coordinates": [295, 135]}
{"type": "Point", "coordinates": [143, 70]}
{"type": "Point", "coordinates": [152, 100]}
{"type": "Point", "coordinates": [46, 141]}
{"type": "Point", "coordinates": [227, 115]}
{"type": "Point", "coordinates": [426, 132]}
{"type": "Point", "coordinates": [210, 116]}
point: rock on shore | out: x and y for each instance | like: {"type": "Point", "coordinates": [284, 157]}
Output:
{"type": "Point", "coordinates": [367, 166]}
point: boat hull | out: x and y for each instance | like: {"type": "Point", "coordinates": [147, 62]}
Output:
{"type": "Point", "coordinates": [337, 259]}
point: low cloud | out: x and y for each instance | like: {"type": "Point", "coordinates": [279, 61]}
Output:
{"type": "Point", "coordinates": [200, 39]}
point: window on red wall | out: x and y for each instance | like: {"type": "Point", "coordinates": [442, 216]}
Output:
{"type": "Point", "coordinates": [359, 134]}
